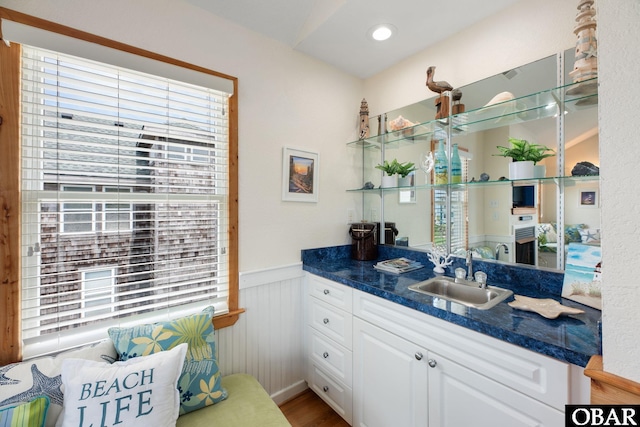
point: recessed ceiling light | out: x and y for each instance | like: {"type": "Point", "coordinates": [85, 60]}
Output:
{"type": "Point", "coordinates": [382, 32]}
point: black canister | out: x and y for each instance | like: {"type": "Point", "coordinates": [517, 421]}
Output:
{"type": "Point", "coordinates": [364, 241]}
{"type": "Point", "coordinates": [390, 233]}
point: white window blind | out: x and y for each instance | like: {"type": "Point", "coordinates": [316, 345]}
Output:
{"type": "Point", "coordinates": [460, 210]}
{"type": "Point", "coordinates": [126, 173]}
{"type": "Point", "coordinates": [458, 217]}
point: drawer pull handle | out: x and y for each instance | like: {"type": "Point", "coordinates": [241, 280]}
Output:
{"type": "Point", "coordinates": [325, 354]}
{"type": "Point", "coordinates": [325, 320]}
{"type": "Point", "coordinates": [325, 389]}
{"type": "Point", "coordinates": [326, 291]}
{"type": "Point", "coordinates": [418, 356]}
{"type": "Point", "coordinates": [432, 363]}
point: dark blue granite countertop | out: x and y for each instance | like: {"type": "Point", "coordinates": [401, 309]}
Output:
{"type": "Point", "coordinates": [570, 338]}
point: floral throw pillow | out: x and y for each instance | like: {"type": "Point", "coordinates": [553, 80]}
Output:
{"type": "Point", "coordinates": [200, 382]}
{"type": "Point", "coordinates": [547, 232]}
{"type": "Point", "coordinates": [572, 232]}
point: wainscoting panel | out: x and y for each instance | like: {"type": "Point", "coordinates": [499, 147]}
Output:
{"type": "Point", "coordinates": [267, 341]}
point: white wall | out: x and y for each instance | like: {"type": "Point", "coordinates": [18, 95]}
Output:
{"type": "Point", "coordinates": [285, 99]}
{"type": "Point", "coordinates": [619, 103]}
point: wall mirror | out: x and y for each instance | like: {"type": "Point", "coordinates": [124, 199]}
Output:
{"type": "Point", "coordinates": [526, 222]}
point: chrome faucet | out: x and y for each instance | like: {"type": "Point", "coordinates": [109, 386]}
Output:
{"type": "Point", "coordinates": [506, 249]}
{"type": "Point", "coordinates": [469, 264]}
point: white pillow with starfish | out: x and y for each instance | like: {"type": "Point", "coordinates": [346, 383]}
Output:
{"type": "Point", "coordinates": [24, 381]}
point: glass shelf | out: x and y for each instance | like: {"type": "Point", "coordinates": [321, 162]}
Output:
{"type": "Point", "coordinates": [547, 103]}
{"type": "Point", "coordinates": [410, 135]}
{"type": "Point", "coordinates": [567, 180]}
{"type": "Point", "coordinates": [536, 106]}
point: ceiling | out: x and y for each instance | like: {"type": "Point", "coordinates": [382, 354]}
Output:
{"type": "Point", "coordinates": [335, 31]}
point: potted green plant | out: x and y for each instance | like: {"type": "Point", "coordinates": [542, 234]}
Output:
{"type": "Point", "coordinates": [404, 169]}
{"type": "Point", "coordinates": [524, 156]}
{"type": "Point", "coordinates": [390, 169]}
{"type": "Point", "coordinates": [537, 153]}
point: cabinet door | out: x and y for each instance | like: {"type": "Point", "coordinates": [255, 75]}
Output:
{"type": "Point", "coordinates": [462, 397]}
{"type": "Point", "coordinates": [390, 379]}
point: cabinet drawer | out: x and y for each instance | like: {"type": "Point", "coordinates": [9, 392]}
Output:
{"type": "Point", "coordinates": [330, 292]}
{"type": "Point", "coordinates": [331, 356]}
{"type": "Point", "coordinates": [331, 321]}
{"type": "Point", "coordinates": [338, 396]}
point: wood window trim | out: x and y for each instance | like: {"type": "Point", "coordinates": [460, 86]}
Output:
{"type": "Point", "coordinates": [608, 388]}
{"type": "Point", "coordinates": [10, 198]}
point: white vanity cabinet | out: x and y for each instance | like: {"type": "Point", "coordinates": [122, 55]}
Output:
{"type": "Point", "coordinates": [459, 396]}
{"type": "Point", "coordinates": [329, 343]}
{"type": "Point", "coordinates": [390, 379]}
{"type": "Point", "coordinates": [412, 369]}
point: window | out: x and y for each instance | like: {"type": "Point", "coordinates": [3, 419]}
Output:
{"type": "Point", "coordinates": [117, 216]}
{"type": "Point", "coordinates": [120, 130]}
{"type": "Point", "coordinates": [98, 287]}
{"type": "Point", "coordinates": [97, 215]}
{"type": "Point", "coordinates": [78, 217]}
{"type": "Point", "coordinates": [121, 169]}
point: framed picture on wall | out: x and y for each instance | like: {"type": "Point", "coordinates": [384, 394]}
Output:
{"type": "Point", "coordinates": [300, 175]}
{"type": "Point", "coordinates": [588, 198]}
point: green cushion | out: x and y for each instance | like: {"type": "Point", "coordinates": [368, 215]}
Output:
{"type": "Point", "coordinates": [31, 414]}
{"type": "Point", "coordinates": [248, 405]}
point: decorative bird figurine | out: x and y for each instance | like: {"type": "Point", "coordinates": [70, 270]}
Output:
{"type": "Point", "coordinates": [437, 87]}
{"type": "Point", "coordinates": [456, 95]}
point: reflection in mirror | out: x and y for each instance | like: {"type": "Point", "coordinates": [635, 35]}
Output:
{"type": "Point", "coordinates": [497, 221]}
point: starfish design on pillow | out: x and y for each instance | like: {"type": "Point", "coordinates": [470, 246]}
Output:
{"type": "Point", "coordinates": [4, 380]}
{"type": "Point", "coordinates": [42, 385]}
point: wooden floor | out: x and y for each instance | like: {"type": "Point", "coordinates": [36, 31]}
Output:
{"type": "Point", "coordinates": [308, 410]}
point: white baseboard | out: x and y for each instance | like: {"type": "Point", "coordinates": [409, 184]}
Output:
{"type": "Point", "coordinates": [290, 392]}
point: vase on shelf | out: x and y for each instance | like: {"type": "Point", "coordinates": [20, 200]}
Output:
{"type": "Point", "coordinates": [456, 166]}
{"type": "Point", "coordinates": [521, 170]}
{"type": "Point", "coordinates": [389, 181]}
{"type": "Point", "coordinates": [440, 165]}
{"type": "Point", "coordinates": [426, 164]}
{"type": "Point", "coordinates": [404, 181]}
{"type": "Point", "coordinates": [539, 171]}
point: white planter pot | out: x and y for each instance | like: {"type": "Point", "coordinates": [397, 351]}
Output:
{"type": "Point", "coordinates": [539, 171]}
{"type": "Point", "coordinates": [389, 181]}
{"type": "Point", "coordinates": [404, 182]}
{"type": "Point", "coordinates": [521, 170]}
